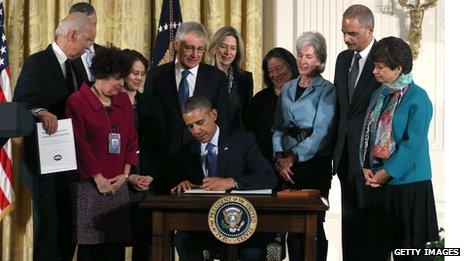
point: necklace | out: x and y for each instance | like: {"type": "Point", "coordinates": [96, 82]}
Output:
{"type": "Point", "coordinates": [306, 79]}
{"type": "Point", "coordinates": [303, 85]}
{"type": "Point", "coordinates": [105, 100]}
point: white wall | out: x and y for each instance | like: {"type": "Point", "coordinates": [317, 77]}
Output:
{"type": "Point", "coordinates": [284, 20]}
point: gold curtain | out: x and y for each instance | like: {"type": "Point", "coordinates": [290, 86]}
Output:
{"type": "Point", "coordinates": [30, 25]}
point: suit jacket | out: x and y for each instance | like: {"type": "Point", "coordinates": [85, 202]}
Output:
{"type": "Point", "coordinates": [91, 124]}
{"type": "Point", "coordinates": [315, 109]}
{"type": "Point", "coordinates": [79, 68]}
{"type": "Point", "coordinates": [244, 84]}
{"type": "Point", "coordinates": [351, 115]}
{"type": "Point", "coordinates": [41, 84]}
{"type": "Point", "coordinates": [350, 122]}
{"type": "Point", "coordinates": [161, 84]}
{"type": "Point", "coordinates": [410, 162]}
{"type": "Point", "coordinates": [238, 157]}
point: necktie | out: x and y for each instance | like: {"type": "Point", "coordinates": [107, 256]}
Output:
{"type": "Point", "coordinates": [88, 55]}
{"type": "Point", "coordinates": [183, 88]}
{"type": "Point", "coordinates": [69, 77]}
{"type": "Point", "coordinates": [211, 160]}
{"type": "Point", "coordinates": [353, 75]}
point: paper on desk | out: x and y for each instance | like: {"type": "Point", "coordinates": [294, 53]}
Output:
{"type": "Point", "coordinates": [204, 191]}
{"type": "Point", "coordinates": [255, 191]}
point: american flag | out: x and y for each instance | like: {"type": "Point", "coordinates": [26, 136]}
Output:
{"type": "Point", "coordinates": [170, 19]}
{"type": "Point", "coordinates": [6, 166]}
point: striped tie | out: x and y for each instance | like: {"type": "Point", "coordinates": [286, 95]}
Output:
{"type": "Point", "coordinates": [211, 160]}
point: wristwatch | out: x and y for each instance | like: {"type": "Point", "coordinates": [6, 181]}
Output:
{"type": "Point", "coordinates": [35, 112]}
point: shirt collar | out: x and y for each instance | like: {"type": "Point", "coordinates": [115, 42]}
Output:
{"type": "Point", "coordinates": [364, 53]}
{"type": "Point", "coordinates": [213, 141]}
{"type": "Point", "coordinates": [60, 55]}
{"type": "Point", "coordinates": [179, 68]}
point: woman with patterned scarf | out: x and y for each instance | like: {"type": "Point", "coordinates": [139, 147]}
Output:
{"type": "Point", "coordinates": [394, 154]}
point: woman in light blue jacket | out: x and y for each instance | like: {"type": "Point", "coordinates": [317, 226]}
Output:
{"type": "Point", "coordinates": [302, 132]}
{"type": "Point", "coordinates": [394, 154]}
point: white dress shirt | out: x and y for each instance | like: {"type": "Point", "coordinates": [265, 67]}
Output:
{"type": "Point", "coordinates": [191, 78]}
{"type": "Point", "coordinates": [362, 61]}
{"type": "Point", "coordinates": [86, 58]}
{"type": "Point", "coordinates": [61, 56]}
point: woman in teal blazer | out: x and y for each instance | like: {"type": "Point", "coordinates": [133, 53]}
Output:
{"type": "Point", "coordinates": [394, 153]}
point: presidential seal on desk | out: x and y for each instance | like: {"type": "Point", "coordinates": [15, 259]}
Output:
{"type": "Point", "coordinates": [232, 219]}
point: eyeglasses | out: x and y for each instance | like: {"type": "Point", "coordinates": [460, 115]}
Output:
{"type": "Point", "coordinates": [190, 49]}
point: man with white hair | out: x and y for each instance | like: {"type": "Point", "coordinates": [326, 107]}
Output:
{"type": "Point", "coordinates": [45, 82]}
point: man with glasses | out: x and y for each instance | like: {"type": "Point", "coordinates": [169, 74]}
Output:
{"type": "Point", "coordinates": [170, 85]}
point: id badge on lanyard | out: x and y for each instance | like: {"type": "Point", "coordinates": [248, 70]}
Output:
{"type": "Point", "coordinates": [114, 143]}
{"type": "Point", "coordinates": [114, 138]}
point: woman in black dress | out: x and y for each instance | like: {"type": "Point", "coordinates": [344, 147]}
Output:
{"type": "Point", "coordinates": [279, 66]}
{"type": "Point", "coordinates": [133, 83]}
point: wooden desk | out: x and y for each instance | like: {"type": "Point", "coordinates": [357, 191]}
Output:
{"type": "Point", "coordinates": [190, 213]}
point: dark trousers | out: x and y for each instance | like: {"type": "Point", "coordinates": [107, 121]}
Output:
{"type": "Point", "coordinates": [191, 245]}
{"type": "Point", "coordinates": [354, 218]}
{"type": "Point", "coordinates": [52, 226]}
{"type": "Point", "coordinates": [141, 233]}
{"type": "Point", "coordinates": [104, 252]}
{"type": "Point", "coordinates": [355, 234]}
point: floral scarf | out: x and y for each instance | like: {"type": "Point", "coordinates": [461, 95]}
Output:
{"type": "Point", "coordinates": [377, 135]}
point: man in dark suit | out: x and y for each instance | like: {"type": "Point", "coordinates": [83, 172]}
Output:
{"type": "Point", "coordinates": [81, 66]}
{"type": "Point", "coordinates": [217, 160]}
{"type": "Point", "coordinates": [171, 84]}
{"type": "Point", "coordinates": [45, 82]}
{"type": "Point", "coordinates": [354, 83]}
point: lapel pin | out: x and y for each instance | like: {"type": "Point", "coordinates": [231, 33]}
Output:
{"type": "Point", "coordinates": [226, 148]}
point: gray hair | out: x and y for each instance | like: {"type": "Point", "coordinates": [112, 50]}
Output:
{"type": "Point", "coordinates": [196, 102]}
{"type": "Point", "coordinates": [318, 42]}
{"type": "Point", "coordinates": [191, 27]}
{"type": "Point", "coordinates": [82, 7]}
{"type": "Point", "coordinates": [361, 13]}
{"type": "Point", "coordinates": [217, 38]}
{"type": "Point", "coordinates": [76, 21]}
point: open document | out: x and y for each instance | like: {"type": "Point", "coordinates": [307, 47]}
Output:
{"type": "Point", "coordinates": [57, 152]}
{"type": "Point", "coordinates": [233, 191]}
